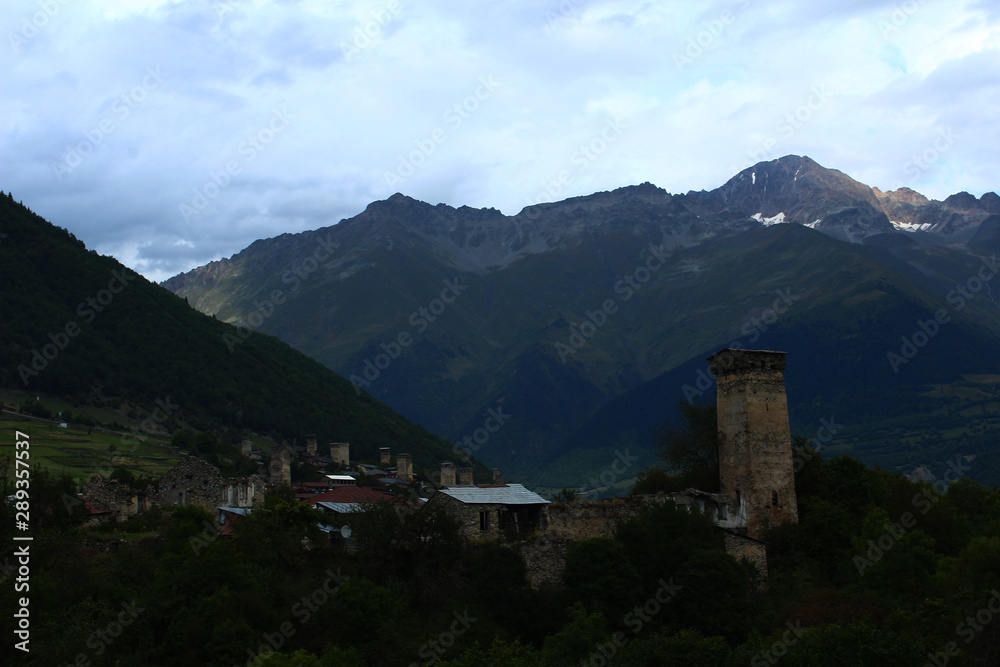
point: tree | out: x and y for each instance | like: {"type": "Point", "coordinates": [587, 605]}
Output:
{"type": "Point", "coordinates": [690, 445]}
{"type": "Point", "coordinates": [601, 576]}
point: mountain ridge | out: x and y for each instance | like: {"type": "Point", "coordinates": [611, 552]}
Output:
{"type": "Point", "coordinates": [535, 279]}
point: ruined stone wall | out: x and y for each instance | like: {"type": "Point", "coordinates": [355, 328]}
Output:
{"type": "Point", "coordinates": [544, 560]}
{"type": "Point", "coordinates": [112, 496]}
{"type": "Point", "coordinates": [740, 547]}
{"type": "Point", "coordinates": [195, 482]}
{"type": "Point", "coordinates": [583, 520]}
{"type": "Point", "coordinates": [242, 491]}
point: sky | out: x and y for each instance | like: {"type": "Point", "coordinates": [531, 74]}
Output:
{"type": "Point", "coordinates": [170, 134]}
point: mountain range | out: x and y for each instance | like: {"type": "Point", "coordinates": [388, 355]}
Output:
{"type": "Point", "coordinates": [553, 342]}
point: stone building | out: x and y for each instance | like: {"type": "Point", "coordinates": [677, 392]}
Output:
{"type": "Point", "coordinates": [756, 468]}
{"type": "Point", "coordinates": [109, 498]}
{"type": "Point", "coordinates": [311, 444]}
{"type": "Point", "coordinates": [196, 482]}
{"type": "Point", "coordinates": [280, 469]}
{"type": "Point", "coordinates": [404, 467]}
{"type": "Point", "coordinates": [448, 477]}
{"type": "Point", "coordinates": [340, 452]}
{"type": "Point", "coordinates": [488, 510]}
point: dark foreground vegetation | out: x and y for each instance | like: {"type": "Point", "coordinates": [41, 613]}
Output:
{"type": "Point", "coordinates": [880, 571]}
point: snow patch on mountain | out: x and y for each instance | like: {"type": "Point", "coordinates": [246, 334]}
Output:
{"type": "Point", "coordinates": [911, 226]}
{"type": "Point", "coordinates": [767, 222]}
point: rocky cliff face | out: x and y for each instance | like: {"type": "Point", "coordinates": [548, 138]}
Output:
{"type": "Point", "coordinates": [955, 219]}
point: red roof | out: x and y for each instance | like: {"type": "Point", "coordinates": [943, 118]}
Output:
{"type": "Point", "coordinates": [351, 494]}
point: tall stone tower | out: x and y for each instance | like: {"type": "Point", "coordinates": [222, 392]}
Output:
{"type": "Point", "coordinates": [311, 444]}
{"type": "Point", "coordinates": [281, 466]}
{"type": "Point", "coordinates": [755, 443]}
{"type": "Point", "coordinates": [340, 452]}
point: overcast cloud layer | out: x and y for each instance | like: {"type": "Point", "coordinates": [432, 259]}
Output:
{"type": "Point", "coordinates": [169, 134]}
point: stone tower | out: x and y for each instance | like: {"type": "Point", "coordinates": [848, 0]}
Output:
{"type": "Point", "coordinates": [755, 444]}
{"type": "Point", "coordinates": [404, 467]}
{"type": "Point", "coordinates": [281, 466]}
{"type": "Point", "coordinates": [447, 473]}
{"type": "Point", "coordinates": [311, 444]}
{"type": "Point", "coordinates": [340, 452]}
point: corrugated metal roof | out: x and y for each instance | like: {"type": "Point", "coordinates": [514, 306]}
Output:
{"type": "Point", "coordinates": [243, 511]}
{"type": "Point", "coordinates": [341, 508]}
{"type": "Point", "coordinates": [505, 494]}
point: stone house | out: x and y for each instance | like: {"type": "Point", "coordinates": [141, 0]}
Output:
{"type": "Point", "coordinates": [196, 482]}
{"type": "Point", "coordinates": [489, 510]}
{"type": "Point", "coordinates": [110, 499]}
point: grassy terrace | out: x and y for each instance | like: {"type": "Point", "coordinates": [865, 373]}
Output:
{"type": "Point", "coordinates": [81, 452]}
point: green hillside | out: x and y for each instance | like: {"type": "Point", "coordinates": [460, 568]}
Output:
{"type": "Point", "coordinates": [83, 327]}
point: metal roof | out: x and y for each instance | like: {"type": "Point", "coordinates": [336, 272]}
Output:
{"type": "Point", "coordinates": [499, 494]}
{"type": "Point", "coordinates": [244, 511]}
{"type": "Point", "coordinates": [341, 508]}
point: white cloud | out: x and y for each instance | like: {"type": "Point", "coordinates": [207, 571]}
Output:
{"type": "Point", "coordinates": [699, 93]}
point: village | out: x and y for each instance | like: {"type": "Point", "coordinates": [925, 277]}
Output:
{"type": "Point", "coordinates": [756, 475]}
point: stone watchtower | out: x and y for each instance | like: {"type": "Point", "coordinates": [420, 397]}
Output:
{"type": "Point", "coordinates": [755, 444]}
{"type": "Point", "coordinates": [281, 466]}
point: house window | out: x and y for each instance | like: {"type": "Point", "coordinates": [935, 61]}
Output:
{"type": "Point", "coordinates": [484, 520]}
{"type": "Point", "coordinates": [774, 498]}
{"type": "Point", "coordinates": [180, 497]}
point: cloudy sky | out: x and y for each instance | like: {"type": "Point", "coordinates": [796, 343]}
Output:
{"type": "Point", "coordinates": [169, 134]}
